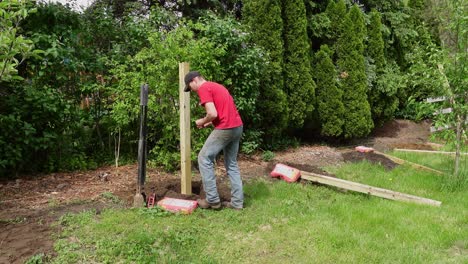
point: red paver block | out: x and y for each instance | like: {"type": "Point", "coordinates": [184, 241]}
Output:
{"type": "Point", "coordinates": [178, 205]}
{"type": "Point", "coordinates": [286, 173]}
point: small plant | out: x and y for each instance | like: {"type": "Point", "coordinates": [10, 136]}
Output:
{"type": "Point", "coordinates": [111, 197]}
{"type": "Point", "coordinates": [153, 212]}
{"type": "Point", "coordinates": [17, 220]}
{"type": "Point", "coordinates": [268, 155]}
{"type": "Point", "coordinates": [37, 259]}
{"type": "Point", "coordinates": [53, 202]}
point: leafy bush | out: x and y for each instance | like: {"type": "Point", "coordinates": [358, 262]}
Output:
{"type": "Point", "coordinates": [416, 110]}
{"type": "Point", "coordinates": [38, 125]}
{"type": "Point", "coordinates": [206, 45]}
{"type": "Point", "coordinates": [251, 141]}
{"type": "Point", "coordinates": [268, 155]}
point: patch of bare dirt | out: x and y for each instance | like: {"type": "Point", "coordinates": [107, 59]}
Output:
{"type": "Point", "coordinates": [401, 134]}
{"type": "Point", "coordinates": [354, 156]}
{"type": "Point", "coordinates": [420, 146]}
{"type": "Point", "coordinates": [29, 206]}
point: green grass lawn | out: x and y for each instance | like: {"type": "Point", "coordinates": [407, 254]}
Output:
{"type": "Point", "coordinates": [442, 162]}
{"type": "Point", "coordinates": [285, 223]}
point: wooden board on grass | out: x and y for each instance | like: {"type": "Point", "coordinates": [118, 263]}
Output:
{"type": "Point", "coordinates": [414, 165]}
{"type": "Point", "coordinates": [429, 151]}
{"type": "Point", "coordinates": [362, 188]}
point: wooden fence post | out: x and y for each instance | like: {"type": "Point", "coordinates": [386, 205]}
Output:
{"type": "Point", "coordinates": [185, 147]}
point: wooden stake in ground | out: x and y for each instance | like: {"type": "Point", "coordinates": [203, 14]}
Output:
{"type": "Point", "coordinates": [357, 187]}
{"type": "Point", "coordinates": [185, 147]}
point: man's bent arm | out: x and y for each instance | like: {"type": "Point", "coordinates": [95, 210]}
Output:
{"type": "Point", "coordinates": [211, 114]}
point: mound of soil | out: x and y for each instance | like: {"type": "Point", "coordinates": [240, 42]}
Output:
{"type": "Point", "coordinates": [355, 156]}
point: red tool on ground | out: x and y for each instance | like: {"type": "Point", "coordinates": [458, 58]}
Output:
{"type": "Point", "coordinates": [150, 200]}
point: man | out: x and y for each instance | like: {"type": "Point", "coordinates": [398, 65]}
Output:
{"type": "Point", "coordinates": [222, 113]}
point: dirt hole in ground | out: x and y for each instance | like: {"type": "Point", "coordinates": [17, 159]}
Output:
{"type": "Point", "coordinates": [172, 188]}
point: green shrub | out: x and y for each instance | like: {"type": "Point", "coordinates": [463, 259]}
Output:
{"type": "Point", "coordinates": [268, 155]}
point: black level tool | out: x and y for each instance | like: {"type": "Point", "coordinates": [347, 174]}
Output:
{"type": "Point", "coordinates": [142, 146]}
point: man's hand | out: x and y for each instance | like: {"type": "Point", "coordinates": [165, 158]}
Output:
{"type": "Point", "coordinates": [211, 114]}
{"type": "Point", "coordinates": [200, 122]}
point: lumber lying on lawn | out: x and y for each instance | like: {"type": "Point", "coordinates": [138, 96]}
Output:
{"type": "Point", "coordinates": [415, 165]}
{"type": "Point", "coordinates": [429, 151]}
{"type": "Point", "coordinates": [357, 187]}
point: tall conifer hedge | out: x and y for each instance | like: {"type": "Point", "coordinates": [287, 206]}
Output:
{"type": "Point", "coordinates": [350, 49]}
{"type": "Point", "coordinates": [264, 19]}
{"type": "Point", "coordinates": [336, 12]}
{"type": "Point", "coordinates": [383, 93]}
{"type": "Point", "coordinates": [329, 95]}
{"type": "Point", "coordinates": [299, 85]}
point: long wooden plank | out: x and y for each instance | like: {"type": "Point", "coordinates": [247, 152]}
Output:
{"type": "Point", "coordinates": [362, 188]}
{"type": "Point", "coordinates": [185, 146]}
{"type": "Point", "coordinates": [414, 165]}
{"type": "Point", "coordinates": [429, 151]}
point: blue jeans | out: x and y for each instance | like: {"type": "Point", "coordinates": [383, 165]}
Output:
{"type": "Point", "coordinates": [226, 140]}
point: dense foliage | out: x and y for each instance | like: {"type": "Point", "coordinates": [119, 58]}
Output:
{"type": "Point", "coordinates": [298, 82]}
{"type": "Point", "coordinates": [69, 80]}
{"type": "Point", "coordinates": [329, 95]}
{"type": "Point", "coordinates": [382, 89]}
{"type": "Point", "coordinates": [350, 53]}
{"type": "Point", "coordinates": [266, 26]}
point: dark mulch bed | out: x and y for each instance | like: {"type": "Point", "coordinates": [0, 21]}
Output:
{"type": "Point", "coordinates": [355, 156]}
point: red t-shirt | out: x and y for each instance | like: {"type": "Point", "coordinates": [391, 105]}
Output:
{"type": "Point", "coordinates": [228, 116]}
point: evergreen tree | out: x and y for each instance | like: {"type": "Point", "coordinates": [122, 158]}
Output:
{"type": "Point", "coordinates": [382, 94]}
{"type": "Point", "coordinates": [350, 49]}
{"type": "Point", "coordinates": [416, 4]}
{"type": "Point", "coordinates": [329, 95]}
{"type": "Point", "coordinates": [264, 19]}
{"type": "Point", "coordinates": [336, 12]}
{"type": "Point", "coordinates": [375, 44]}
{"type": "Point", "coordinates": [299, 85]}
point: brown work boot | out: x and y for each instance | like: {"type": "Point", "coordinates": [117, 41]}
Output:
{"type": "Point", "coordinates": [229, 205]}
{"type": "Point", "coordinates": [206, 205]}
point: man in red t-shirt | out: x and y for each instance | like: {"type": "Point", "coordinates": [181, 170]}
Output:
{"type": "Point", "coordinates": [222, 113]}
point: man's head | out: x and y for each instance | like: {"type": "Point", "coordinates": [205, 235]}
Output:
{"type": "Point", "coordinates": [189, 78]}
